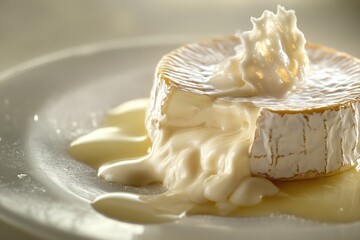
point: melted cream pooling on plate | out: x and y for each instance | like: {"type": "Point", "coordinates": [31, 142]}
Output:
{"type": "Point", "coordinates": [331, 199]}
{"type": "Point", "coordinates": [200, 145]}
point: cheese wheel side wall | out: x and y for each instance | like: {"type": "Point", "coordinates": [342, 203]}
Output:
{"type": "Point", "coordinates": [305, 145]}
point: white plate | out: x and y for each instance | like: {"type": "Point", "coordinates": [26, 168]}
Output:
{"type": "Point", "coordinates": [49, 101]}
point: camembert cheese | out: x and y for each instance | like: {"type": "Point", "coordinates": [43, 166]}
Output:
{"type": "Point", "coordinates": [312, 131]}
{"type": "Point", "coordinates": [228, 115]}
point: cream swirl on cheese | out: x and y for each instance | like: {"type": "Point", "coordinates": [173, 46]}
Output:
{"type": "Point", "coordinates": [270, 60]}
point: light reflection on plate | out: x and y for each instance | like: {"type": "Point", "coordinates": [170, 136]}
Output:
{"type": "Point", "coordinates": [49, 101]}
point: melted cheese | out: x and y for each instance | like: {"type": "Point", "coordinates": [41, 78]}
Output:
{"type": "Point", "coordinates": [200, 148]}
{"type": "Point", "coordinates": [201, 142]}
{"type": "Point", "coordinates": [330, 199]}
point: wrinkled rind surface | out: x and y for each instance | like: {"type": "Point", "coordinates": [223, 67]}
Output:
{"type": "Point", "coordinates": [304, 145]}
{"type": "Point", "coordinates": [313, 131]}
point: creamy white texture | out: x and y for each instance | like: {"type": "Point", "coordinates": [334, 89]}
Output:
{"type": "Point", "coordinates": [201, 151]}
{"type": "Point", "coordinates": [270, 60]}
{"type": "Point", "coordinates": [201, 144]}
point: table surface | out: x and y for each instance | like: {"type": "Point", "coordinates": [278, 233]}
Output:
{"type": "Point", "coordinates": [34, 27]}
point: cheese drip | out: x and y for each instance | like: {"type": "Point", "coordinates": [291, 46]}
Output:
{"type": "Point", "coordinates": [201, 151]}
{"type": "Point", "coordinates": [270, 60]}
{"type": "Point", "coordinates": [330, 199]}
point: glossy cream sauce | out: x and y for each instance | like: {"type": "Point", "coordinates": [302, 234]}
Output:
{"type": "Point", "coordinates": [122, 140]}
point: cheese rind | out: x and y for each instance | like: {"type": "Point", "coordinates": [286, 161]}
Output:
{"type": "Point", "coordinates": [305, 145]}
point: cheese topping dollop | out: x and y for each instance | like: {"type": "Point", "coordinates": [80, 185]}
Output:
{"type": "Point", "coordinates": [270, 60]}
